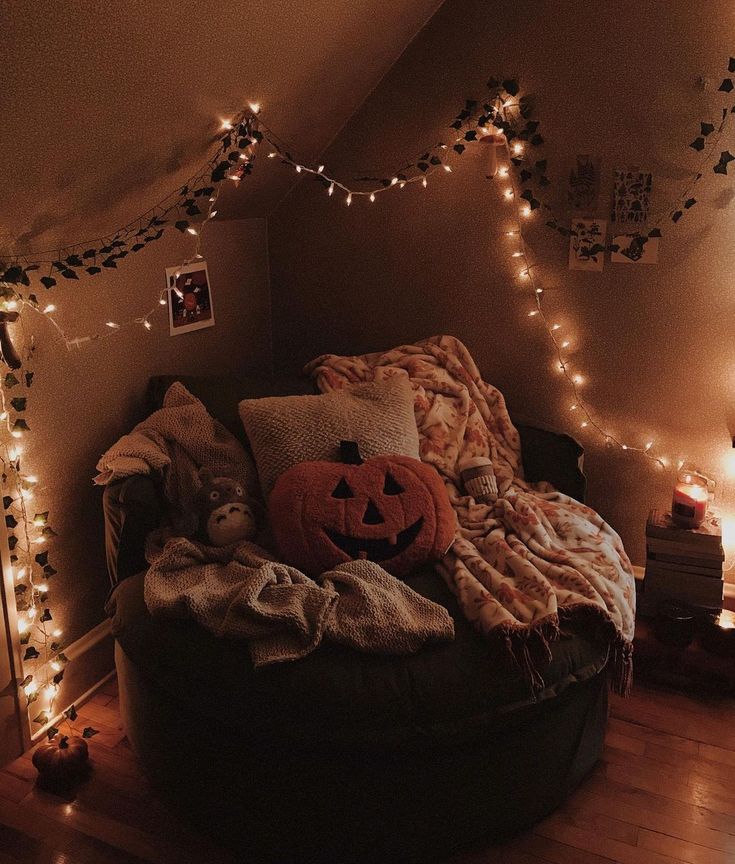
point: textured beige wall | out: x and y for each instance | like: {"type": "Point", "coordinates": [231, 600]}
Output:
{"type": "Point", "coordinates": [85, 399]}
{"type": "Point", "coordinates": [656, 343]}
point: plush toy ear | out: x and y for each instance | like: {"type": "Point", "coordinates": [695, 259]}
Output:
{"type": "Point", "coordinates": [206, 476]}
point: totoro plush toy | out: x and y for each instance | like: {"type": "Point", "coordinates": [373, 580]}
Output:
{"type": "Point", "coordinates": [225, 517]}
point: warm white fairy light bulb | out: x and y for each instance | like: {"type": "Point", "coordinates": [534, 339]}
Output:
{"type": "Point", "coordinates": [42, 588]}
{"type": "Point", "coordinates": [348, 200]}
{"type": "Point", "coordinates": [566, 343]}
{"type": "Point", "coordinates": [518, 148]}
{"type": "Point", "coordinates": [517, 255]}
{"type": "Point", "coordinates": [147, 324]}
{"type": "Point", "coordinates": [330, 191]}
{"type": "Point", "coordinates": [55, 665]}
{"type": "Point", "coordinates": [299, 169]}
{"type": "Point", "coordinates": [578, 379]}
{"type": "Point", "coordinates": [192, 231]}
{"type": "Point", "coordinates": [393, 181]}
{"type": "Point", "coordinates": [23, 626]}
{"type": "Point", "coordinates": [57, 632]}
{"type": "Point", "coordinates": [372, 197]}
{"type": "Point", "coordinates": [424, 182]}
{"type": "Point", "coordinates": [49, 309]}
{"type": "Point", "coordinates": [320, 169]}
{"type": "Point", "coordinates": [532, 313]}
{"type": "Point", "coordinates": [30, 688]}
{"type": "Point", "coordinates": [113, 325]}
{"type": "Point", "coordinates": [525, 212]}
{"type": "Point", "coordinates": [11, 305]}
{"type": "Point", "coordinates": [508, 194]}
{"type": "Point", "coordinates": [254, 107]}
{"type": "Point", "coordinates": [448, 169]}
{"type": "Point", "coordinates": [226, 124]}
{"type": "Point", "coordinates": [272, 154]}
{"type": "Point", "coordinates": [503, 172]}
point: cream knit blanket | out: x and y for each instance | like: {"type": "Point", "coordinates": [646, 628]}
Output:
{"type": "Point", "coordinates": [175, 442]}
{"type": "Point", "coordinates": [241, 592]}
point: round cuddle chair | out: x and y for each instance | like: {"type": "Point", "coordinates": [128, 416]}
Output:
{"type": "Point", "coordinates": [344, 756]}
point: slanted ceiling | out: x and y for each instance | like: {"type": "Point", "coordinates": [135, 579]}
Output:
{"type": "Point", "coordinates": [106, 106]}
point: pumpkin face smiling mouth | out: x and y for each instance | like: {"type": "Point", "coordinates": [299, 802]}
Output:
{"type": "Point", "coordinates": [376, 549]}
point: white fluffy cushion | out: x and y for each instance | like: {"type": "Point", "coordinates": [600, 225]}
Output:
{"type": "Point", "coordinates": [285, 430]}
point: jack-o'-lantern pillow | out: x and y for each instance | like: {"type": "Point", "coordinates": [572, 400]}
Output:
{"type": "Point", "coordinates": [393, 510]}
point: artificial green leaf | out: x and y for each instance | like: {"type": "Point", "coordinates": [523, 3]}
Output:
{"type": "Point", "coordinates": [41, 718]}
{"type": "Point", "coordinates": [690, 202]}
{"type": "Point", "coordinates": [654, 232]}
{"type": "Point", "coordinates": [69, 274]}
{"type": "Point", "coordinates": [46, 615]}
{"type": "Point", "coordinates": [10, 521]}
{"type": "Point", "coordinates": [510, 85]}
{"type": "Point", "coordinates": [41, 518]}
{"type": "Point", "coordinates": [21, 426]}
{"type": "Point", "coordinates": [90, 253]}
{"type": "Point", "coordinates": [71, 713]}
{"type": "Point", "coordinates": [31, 653]}
{"type": "Point", "coordinates": [29, 378]}
{"type": "Point", "coordinates": [706, 128]}
{"type": "Point", "coordinates": [697, 144]}
{"type": "Point", "coordinates": [676, 216]}
{"type": "Point", "coordinates": [726, 86]}
{"type": "Point", "coordinates": [51, 733]}
{"type": "Point", "coordinates": [48, 281]}
{"type": "Point", "coordinates": [11, 380]}
{"type": "Point", "coordinates": [7, 501]}
{"type": "Point", "coordinates": [59, 677]}
{"type": "Point", "coordinates": [89, 732]}
{"type": "Point", "coordinates": [110, 263]}
{"type": "Point", "coordinates": [181, 225]}
{"type": "Point", "coordinates": [94, 270]}
{"type": "Point", "coordinates": [460, 148]}
{"type": "Point", "coordinates": [42, 559]}
{"type": "Point", "coordinates": [19, 403]}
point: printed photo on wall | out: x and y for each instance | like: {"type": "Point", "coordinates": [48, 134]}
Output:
{"type": "Point", "coordinates": [587, 244]}
{"type": "Point", "coordinates": [189, 298]}
{"type": "Point", "coordinates": [584, 183]}
{"type": "Point", "coordinates": [632, 250]}
{"type": "Point", "coordinates": [632, 196]}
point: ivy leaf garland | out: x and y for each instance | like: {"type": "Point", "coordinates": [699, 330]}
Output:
{"type": "Point", "coordinates": [233, 160]}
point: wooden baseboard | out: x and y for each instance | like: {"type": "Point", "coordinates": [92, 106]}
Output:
{"type": "Point", "coordinates": [91, 665]}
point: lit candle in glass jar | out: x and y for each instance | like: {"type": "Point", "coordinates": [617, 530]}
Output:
{"type": "Point", "coordinates": [689, 505]}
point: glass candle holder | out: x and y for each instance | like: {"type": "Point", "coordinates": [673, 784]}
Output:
{"type": "Point", "coordinates": [691, 495]}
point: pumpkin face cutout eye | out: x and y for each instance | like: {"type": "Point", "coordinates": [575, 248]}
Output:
{"type": "Point", "coordinates": [392, 486]}
{"type": "Point", "coordinates": [342, 490]}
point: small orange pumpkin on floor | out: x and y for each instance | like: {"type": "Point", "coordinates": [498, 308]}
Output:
{"type": "Point", "coordinates": [60, 763]}
{"type": "Point", "coordinates": [393, 510]}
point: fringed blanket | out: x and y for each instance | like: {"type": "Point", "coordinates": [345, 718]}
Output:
{"type": "Point", "coordinates": [529, 560]}
{"type": "Point", "coordinates": [241, 592]}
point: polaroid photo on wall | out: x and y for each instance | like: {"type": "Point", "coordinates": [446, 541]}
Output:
{"type": "Point", "coordinates": [587, 244]}
{"type": "Point", "coordinates": [631, 196]}
{"type": "Point", "coordinates": [189, 298]}
{"type": "Point", "coordinates": [584, 183]}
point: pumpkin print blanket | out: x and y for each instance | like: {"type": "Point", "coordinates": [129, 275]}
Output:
{"type": "Point", "coordinates": [531, 561]}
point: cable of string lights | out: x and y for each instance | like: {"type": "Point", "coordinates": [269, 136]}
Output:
{"type": "Point", "coordinates": [500, 114]}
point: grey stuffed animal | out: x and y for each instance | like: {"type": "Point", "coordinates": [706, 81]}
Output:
{"type": "Point", "coordinates": [225, 516]}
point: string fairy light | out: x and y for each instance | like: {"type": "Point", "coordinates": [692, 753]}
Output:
{"type": "Point", "coordinates": [234, 160]}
